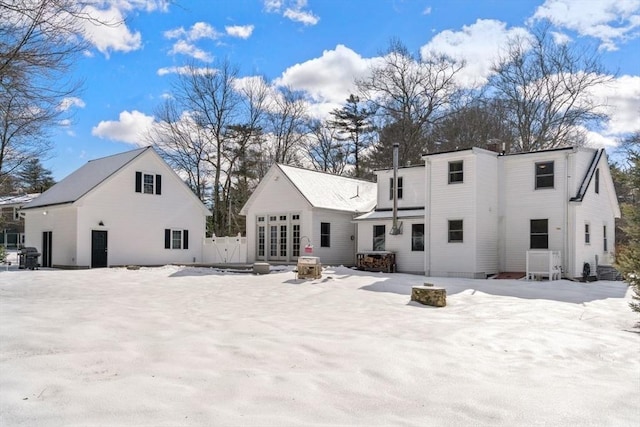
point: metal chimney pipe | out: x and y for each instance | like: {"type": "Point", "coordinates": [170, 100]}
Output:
{"type": "Point", "coordinates": [394, 227]}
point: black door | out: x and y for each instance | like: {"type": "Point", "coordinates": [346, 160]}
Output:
{"type": "Point", "coordinates": [98, 249]}
{"type": "Point", "coordinates": [46, 248]}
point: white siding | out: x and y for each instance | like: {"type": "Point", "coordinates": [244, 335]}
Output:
{"type": "Point", "coordinates": [486, 182]}
{"type": "Point", "coordinates": [456, 201]}
{"type": "Point", "coordinates": [61, 221]}
{"type": "Point", "coordinates": [412, 187]}
{"type": "Point", "coordinates": [521, 202]}
{"type": "Point", "coordinates": [135, 222]}
{"type": "Point", "coordinates": [276, 195]}
{"type": "Point", "coordinates": [342, 246]}
{"type": "Point", "coordinates": [596, 210]}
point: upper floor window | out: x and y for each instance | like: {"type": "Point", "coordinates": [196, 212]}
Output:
{"type": "Point", "coordinates": [605, 245]}
{"type": "Point", "coordinates": [456, 172]}
{"type": "Point", "coordinates": [399, 188]}
{"type": "Point", "coordinates": [544, 175]}
{"type": "Point", "coordinates": [147, 183]}
{"type": "Point", "coordinates": [597, 182]}
{"type": "Point", "coordinates": [325, 234]}
{"type": "Point", "coordinates": [539, 234]}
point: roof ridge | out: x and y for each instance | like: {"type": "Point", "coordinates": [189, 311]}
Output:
{"type": "Point", "coordinates": [280, 165]}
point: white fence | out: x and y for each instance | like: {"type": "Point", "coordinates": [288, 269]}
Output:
{"type": "Point", "coordinates": [225, 250]}
{"type": "Point", "coordinates": [544, 264]}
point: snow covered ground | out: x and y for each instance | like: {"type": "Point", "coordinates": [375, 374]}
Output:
{"type": "Point", "coordinates": [178, 346]}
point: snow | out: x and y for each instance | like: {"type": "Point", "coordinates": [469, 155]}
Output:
{"type": "Point", "coordinates": [195, 346]}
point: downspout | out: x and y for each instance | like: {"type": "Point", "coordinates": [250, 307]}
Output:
{"type": "Point", "coordinates": [565, 241]}
{"type": "Point", "coordinates": [427, 216]}
{"type": "Point", "coordinates": [394, 227]}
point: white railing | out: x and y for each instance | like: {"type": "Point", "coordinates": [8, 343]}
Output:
{"type": "Point", "coordinates": [224, 250]}
{"type": "Point", "coordinates": [542, 263]}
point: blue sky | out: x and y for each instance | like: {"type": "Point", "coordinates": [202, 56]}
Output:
{"type": "Point", "coordinates": [317, 46]}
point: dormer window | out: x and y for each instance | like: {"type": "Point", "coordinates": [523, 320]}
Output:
{"type": "Point", "coordinates": [544, 175]}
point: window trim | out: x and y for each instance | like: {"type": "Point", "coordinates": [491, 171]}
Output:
{"type": "Point", "coordinates": [383, 228]}
{"type": "Point", "coordinates": [587, 233]}
{"type": "Point", "coordinates": [541, 176]}
{"type": "Point", "coordinates": [325, 235]}
{"type": "Point", "coordinates": [400, 183]}
{"type": "Point", "coordinates": [532, 234]}
{"type": "Point", "coordinates": [453, 174]}
{"type": "Point", "coordinates": [169, 240]}
{"type": "Point", "coordinates": [455, 230]}
{"type": "Point", "coordinates": [414, 236]}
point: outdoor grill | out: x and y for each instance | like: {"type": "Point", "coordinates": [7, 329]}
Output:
{"type": "Point", "coordinates": [28, 258]}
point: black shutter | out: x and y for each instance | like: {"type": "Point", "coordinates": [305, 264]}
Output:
{"type": "Point", "coordinates": [167, 238]}
{"type": "Point", "coordinates": [158, 184]}
{"type": "Point", "coordinates": [138, 182]}
{"type": "Point", "coordinates": [185, 239]}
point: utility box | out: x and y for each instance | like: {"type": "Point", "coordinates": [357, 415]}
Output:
{"type": "Point", "coordinates": [309, 267]}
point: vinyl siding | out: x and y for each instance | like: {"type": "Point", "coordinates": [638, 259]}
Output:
{"type": "Point", "coordinates": [342, 249]}
{"type": "Point", "coordinates": [486, 182]}
{"type": "Point", "coordinates": [61, 221]}
{"type": "Point", "coordinates": [521, 202]}
{"type": "Point", "coordinates": [135, 222]}
{"type": "Point", "coordinates": [452, 202]}
{"type": "Point", "coordinates": [412, 187]}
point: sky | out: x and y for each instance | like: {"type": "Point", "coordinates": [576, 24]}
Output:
{"type": "Point", "coordinates": [185, 346]}
{"type": "Point", "coordinates": [318, 46]}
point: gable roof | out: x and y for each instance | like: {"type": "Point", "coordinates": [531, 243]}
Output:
{"type": "Point", "coordinates": [85, 179]}
{"type": "Point", "coordinates": [582, 190]}
{"type": "Point", "coordinates": [327, 191]}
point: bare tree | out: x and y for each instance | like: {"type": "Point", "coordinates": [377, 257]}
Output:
{"type": "Point", "coordinates": [288, 125]}
{"type": "Point", "coordinates": [326, 151]}
{"type": "Point", "coordinates": [39, 40]}
{"type": "Point", "coordinates": [410, 94]}
{"type": "Point", "coordinates": [545, 86]}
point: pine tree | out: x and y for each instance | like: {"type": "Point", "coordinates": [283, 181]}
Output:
{"type": "Point", "coordinates": [34, 178]}
{"type": "Point", "coordinates": [628, 254]}
{"type": "Point", "coordinates": [354, 127]}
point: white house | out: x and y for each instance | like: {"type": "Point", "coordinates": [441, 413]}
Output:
{"type": "Point", "coordinates": [129, 208]}
{"type": "Point", "coordinates": [294, 209]}
{"type": "Point", "coordinates": [12, 232]}
{"type": "Point", "coordinates": [473, 213]}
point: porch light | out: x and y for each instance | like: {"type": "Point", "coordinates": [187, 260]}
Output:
{"type": "Point", "coordinates": [101, 224]}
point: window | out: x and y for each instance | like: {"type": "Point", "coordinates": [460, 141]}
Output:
{"type": "Point", "coordinates": [378, 237]}
{"type": "Point", "coordinates": [325, 234]}
{"type": "Point", "coordinates": [455, 231]}
{"type": "Point", "coordinates": [597, 183]}
{"type": "Point", "coordinates": [296, 239]}
{"type": "Point", "coordinates": [417, 237]}
{"type": "Point", "coordinates": [147, 183]}
{"type": "Point", "coordinates": [260, 219]}
{"type": "Point", "coordinates": [176, 239]}
{"type": "Point", "coordinates": [605, 245]}
{"type": "Point", "coordinates": [273, 241]}
{"type": "Point", "coordinates": [456, 172]}
{"type": "Point", "coordinates": [544, 175]}
{"type": "Point", "coordinates": [587, 234]}
{"type": "Point", "coordinates": [399, 188]}
{"type": "Point", "coordinates": [261, 241]}
{"type": "Point", "coordinates": [295, 217]}
{"type": "Point", "coordinates": [283, 240]}
{"type": "Point", "coordinates": [539, 234]}
{"type": "Point", "coordinates": [283, 217]}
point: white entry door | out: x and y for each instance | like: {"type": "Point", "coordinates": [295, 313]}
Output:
{"type": "Point", "coordinates": [278, 238]}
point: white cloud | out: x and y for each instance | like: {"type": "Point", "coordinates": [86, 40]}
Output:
{"type": "Point", "coordinates": [69, 102]}
{"type": "Point", "coordinates": [329, 78]}
{"type": "Point", "coordinates": [185, 70]}
{"type": "Point", "coordinates": [478, 44]}
{"type": "Point", "coordinates": [560, 38]}
{"type": "Point", "coordinates": [185, 48]}
{"type": "Point", "coordinates": [305, 17]}
{"type": "Point", "coordinates": [199, 30]}
{"type": "Point", "coordinates": [112, 36]}
{"type": "Point", "coordinates": [131, 127]}
{"type": "Point", "coordinates": [622, 103]}
{"type": "Point", "coordinates": [427, 11]}
{"type": "Point", "coordinates": [610, 21]}
{"type": "Point", "coordinates": [241, 31]}
{"type": "Point", "coordinates": [294, 10]}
